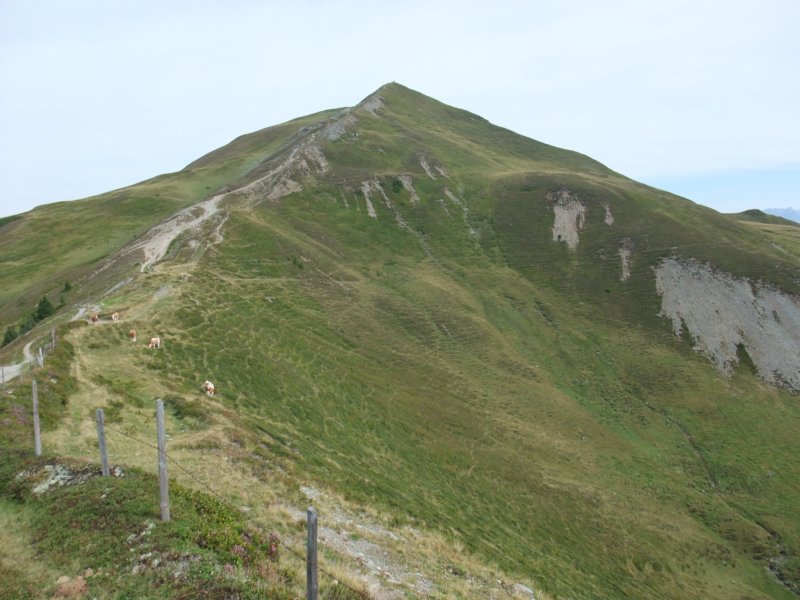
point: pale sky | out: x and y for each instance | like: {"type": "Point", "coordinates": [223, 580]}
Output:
{"type": "Point", "coordinates": [700, 97]}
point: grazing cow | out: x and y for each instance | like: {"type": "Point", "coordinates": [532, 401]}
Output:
{"type": "Point", "coordinates": [208, 388]}
{"type": "Point", "coordinates": [115, 317]}
{"type": "Point", "coordinates": [132, 335]}
{"type": "Point", "coordinates": [155, 342]}
{"type": "Point", "coordinates": [93, 318]}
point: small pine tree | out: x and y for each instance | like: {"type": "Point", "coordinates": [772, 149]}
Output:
{"type": "Point", "coordinates": [45, 308]}
{"type": "Point", "coordinates": [28, 324]}
{"type": "Point", "coordinates": [11, 335]}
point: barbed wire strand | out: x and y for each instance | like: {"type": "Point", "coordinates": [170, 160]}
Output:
{"type": "Point", "coordinates": [208, 488]}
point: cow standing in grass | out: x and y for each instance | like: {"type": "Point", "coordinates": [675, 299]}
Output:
{"type": "Point", "coordinates": [93, 318]}
{"type": "Point", "coordinates": [208, 388]}
{"type": "Point", "coordinates": [115, 317]}
{"type": "Point", "coordinates": [155, 342]}
{"type": "Point", "coordinates": [132, 335]}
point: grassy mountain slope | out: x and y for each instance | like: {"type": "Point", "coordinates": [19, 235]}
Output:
{"type": "Point", "coordinates": [785, 234]}
{"type": "Point", "coordinates": [758, 216]}
{"type": "Point", "coordinates": [450, 363]}
{"type": "Point", "coordinates": [43, 248]}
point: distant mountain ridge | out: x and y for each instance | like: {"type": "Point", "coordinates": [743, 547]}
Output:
{"type": "Point", "coordinates": [787, 213]}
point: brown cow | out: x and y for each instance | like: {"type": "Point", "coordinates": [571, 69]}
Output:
{"type": "Point", "coordinates": [155, 342]}
{"type": "Point", "coordinates": [93, 318]}
{"type": "Point", "coordinates": [208, 388]}
{"type": "Point", "coordinates": [132, 335]}
{"type": "Point", "coordinates": [115, 317]}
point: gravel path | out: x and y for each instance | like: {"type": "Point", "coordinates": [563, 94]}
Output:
{"type": "Point", "coordinates": [9, 372]}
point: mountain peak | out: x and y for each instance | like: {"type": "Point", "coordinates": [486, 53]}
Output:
{"type": "Point", "coordinates": [442, 318]}
{"type": "Point", "coordinates": [391, 91]}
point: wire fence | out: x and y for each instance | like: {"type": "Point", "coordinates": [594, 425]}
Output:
{"type": "Point", "coordinates": [209, 489]}
{"type": "Point", "coordinates": [9, 373]}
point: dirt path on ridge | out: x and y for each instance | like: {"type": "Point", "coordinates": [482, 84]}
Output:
{"type": "Point", "coordinates": [10, 372]}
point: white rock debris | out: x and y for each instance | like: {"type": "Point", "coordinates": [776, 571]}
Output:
{"type": "Point", "coordinates": [424, 164]}
{"type": "Point", "coordinates": [372, 187]}
{"type": "Point", "coordinates": [154, 243]}
{"type": "Point", "coordinates": [722, 313]}
{"type": "Point", "coordinates": [366, 188]}
{"type": "Point", "coordinates": [408, 184]}
{"type": "Point", "coordinates": [464, 210]}
{"type": "Point", "coordinates": [442, 171]}
{"type": "Point", "coordinates": [625, 252]}
{"type": "Point", "coordinates": [50, 476]}
{"type": "Point", "coordinates": [570, 216]}
{"type": "Point", "coordinates": [304, 159]}
{"type": "Point", "coordinates": [372, 104]}
{"type": "Point", "coordinates": [609, 217]}
{"type": "Point", "coordinates": [340, 125]}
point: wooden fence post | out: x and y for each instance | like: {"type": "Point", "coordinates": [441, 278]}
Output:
{"type": "Point", "coordinates": [311, 555]}
{"type": "Point", "coordinates": [41, 357]}
{"type": "Point", "coordinates": [37, 436]}
{"type": "Point", "coordinates": [163, 482]}
{"type": "Point", "coordinates": [53, 337]}
{"type": "Point", "coordinates": [101, 438]}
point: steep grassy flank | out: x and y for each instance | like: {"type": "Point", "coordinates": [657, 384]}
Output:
{"type": "Point", "coordinates": [784, 234]}
{"type": "Point", "coordinates": [55, 384]}
{"type": "Point", "coordinates": [466, 140]}
{"type": "Point", "coordinates": [570, 447]}
{"type": "Point", "coordinates": [453, 365]}
{"type": "Point", "coordinates": [42, 249]}
{"type": "Point", "coordinates": [247, 151]}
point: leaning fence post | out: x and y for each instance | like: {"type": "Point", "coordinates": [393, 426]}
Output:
{"type": "Point", "coordinates": [311, 555]}
{"type": "Point", "coordinates": [163, 482]}
{"type": "Point", "coordinates": [37, 436]}
{"type": "Point", "coordinates": [41, 357]}
{"type": "Point", "coordinates": [101, 438]}
{"type": "Point", "coordinates": [53, 337]}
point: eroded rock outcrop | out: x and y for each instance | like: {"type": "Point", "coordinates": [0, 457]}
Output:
{"type": "Point", "coordinates": [723, 313]}
{"type": "Point", "coordinates": [609, 219]}
{"type": "Point", "coordinates": [464, 210]}
{"type": "Point", "coordinates": [570, 216]}
{"type": "Point", "coordinates": [625, 252]}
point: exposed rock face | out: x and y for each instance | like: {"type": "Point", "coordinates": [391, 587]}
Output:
{"type": "Point", "coordinates": [522, 591]}
{"type": "Point", "coordinates": [609, 220]}
{"type": "Point", "coordinates": [722, 313]}
{"type": "Point", "coordinates": [367, 188]}
{"type": "Point", "coordinates": [570, 216]}
{"type": "Point", "coordinates": [372, 104]}
{"type": "Point", "coordinates": [283, 179]}
{"type": "Point", "coordinates": [305, 158]}
{"type": "Point", "coordinates": [464, 210]}
{"type": "Point", "coordinates": [408, 184]}
{"type": "Point", "coordinates": [340, 126]}
{"type": "Point", "coordinates": [625, 252]}
{"type": "Point", "coordinates": [424, 164]}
